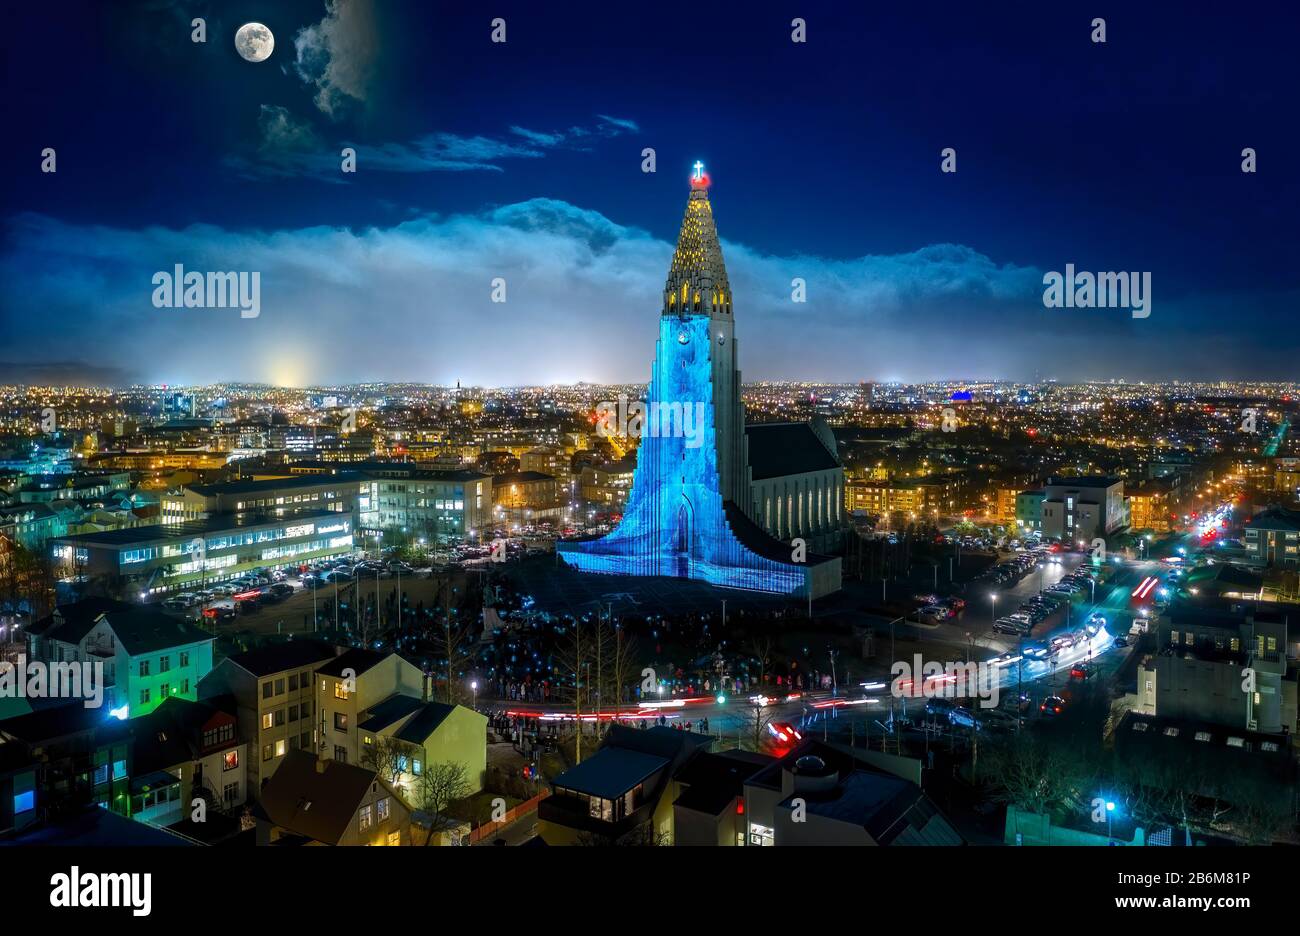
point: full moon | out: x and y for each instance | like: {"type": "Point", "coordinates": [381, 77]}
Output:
{"type": "Point", "coordinates": [254, 42]}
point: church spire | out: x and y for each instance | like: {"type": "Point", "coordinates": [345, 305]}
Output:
{"type": "Point", "coordinates": [697, 280]}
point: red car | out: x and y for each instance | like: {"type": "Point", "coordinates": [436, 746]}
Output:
{"type": "Point", "coordinates": [784, 732]}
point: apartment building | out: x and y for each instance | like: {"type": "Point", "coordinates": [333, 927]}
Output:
{"type": "Point", "coordinates": [275, 701]}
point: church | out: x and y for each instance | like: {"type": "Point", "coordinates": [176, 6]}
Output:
{"type": "Point", "coordinates": [738, 506]}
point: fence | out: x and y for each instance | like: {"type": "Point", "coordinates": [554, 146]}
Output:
{"type": "Point", "coordinates": [491, 828]}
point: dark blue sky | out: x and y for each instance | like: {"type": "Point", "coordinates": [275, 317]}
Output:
{"type": "Point", "coordinates": [523, 160]}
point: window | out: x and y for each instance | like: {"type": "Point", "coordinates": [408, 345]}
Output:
{"type": "Point", "coordinates": [367, 740]}
{"type": "Point", "coordinates": [144, 696]}
{"type": "Point", "coordinates": [394, 838]}
{"type": "Point", "coordinates": [305, 680]}
{"type": "Point", "coordinates": [164, 690]}
{"type": "Point", "coordinates": [1140, 726]}
{"type": "Point", "coordinates": [416, 766]}
{"type": "Point", "coordinates": [268, 719]}
{"type": "Point", "coordinates": [1237, 742]}
{"type": "Point", "coordinates": [230, 793]}
{"type": "Point", "coordinates": [340, 721]}
{"type": "Point", "coordinates": [267, 752]}
{"type": "Point", "coordinates": [185, 687]}
{"type": "Point", "coordinates": [279, 718]}
{"type": "Point", "coordinates": [365, 818]}
{"type": "Point", "coordinates": [279, 687]}
{"type": "Point", "coordinates": [1202, 736]}
{"type": "Point", "coordinates": [1171, 732]}
{"type": "Point", "coordinates": [1270, 746]}
{"type": "Point", "coordinates": [164, 664]}
{"type": "Point", "coordinates": [340, 692]}
{"type": "Point", "coordinates": [340, 754]}
{"type": "Point", "coordinates": [230, 760]}
{"type": "Point", "coordinates": [144, 667]}
{"type": "Point", "coordinates": [280, 748]}
{"type": "Point", "coordinates": [24, 801]}
{"type": "Point", "coordinates": [382, 809]}
{"type": "Point", "coordinates": [293, 713]}
{"type": "Point", "coordinates": [185, 658]}
{"type": "Point", "coordinates": [293, 682]}
{"type": "Point", "coordinates": [266, 689]}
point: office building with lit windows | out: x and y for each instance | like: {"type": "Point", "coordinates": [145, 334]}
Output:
{"type": "Point", "coordinates": [171, 556]}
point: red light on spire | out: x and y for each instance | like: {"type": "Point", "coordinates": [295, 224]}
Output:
{"type": "Point", "coordinates": [699, 178]}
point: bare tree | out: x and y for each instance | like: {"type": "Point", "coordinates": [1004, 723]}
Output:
{"type": "Point", "coordinates": [453, 644]}
{"type": "Point", "coordinates": [438, 786]}
{"type": "Point", "coordinates": [755, 719]}
{"type": "Point", "coordinates": [761, 650]}
{"type": "Point", "coordinates": [386, 756]}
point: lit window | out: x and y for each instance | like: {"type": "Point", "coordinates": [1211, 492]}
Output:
{"type": "Point", "coordinates": [365, 818]}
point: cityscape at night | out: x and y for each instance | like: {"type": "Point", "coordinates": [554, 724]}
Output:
{"type": "Point", "coordinates": [721, 425]}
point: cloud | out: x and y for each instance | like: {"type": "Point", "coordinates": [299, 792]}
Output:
{"type": "Point", "coordinates": [412, 301]}
{"type": "Point", "coordinates": [618, 124]}
{"type": "Point", "coordinates": [291, 147]}
{"type": "Point", "coordinates": [337, 55]}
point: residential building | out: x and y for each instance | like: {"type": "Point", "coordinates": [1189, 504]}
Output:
{"type": "Point", "coordinates": [1082, 509]}
{"type": "Point", "coordinates": [1273, 537]}
{"type": "Point", "coordinates": [429, 733]}
{"type": "Point", "coordinates": [273, 688]}
{"type": "Point", "coordinates": [823, 794]}
{"type": "Point", "coordinates": [349, 686]}
{"type": "Point", "coordinates": [1221, 668]}
{"type": "Point", "coordinates": [1029, 510]}
{"type": "Point", "coordinates": [711, 807]}
{"type": "Point", "coordinates": [147, 656]}
{"type": "Point", "coordinates": [624, 793]}
{"type": "Point", "coordinates": [181, 752]}
{"type": "Point", "coordinates": [317, 801]}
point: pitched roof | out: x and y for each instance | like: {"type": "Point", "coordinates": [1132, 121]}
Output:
{"type": "Point", "coordinates": [357, 659]}
{"type": "Point", "coordinates": [778, 449]}
{"type": "Point", "coordinates": [319, 804]}
{"type": "Point", "coordinates": [145, 630]}
{"type": "Point", "coordinates": [278, 657]}
{"type": "Point", "coordinates": [71, 622]}
{"type": "Point", "coordinates": [393, 709]}
{"type": "Point", "coordinates": [425, 722]}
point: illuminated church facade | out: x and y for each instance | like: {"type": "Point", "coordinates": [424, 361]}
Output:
{"type": "Point", "coordinates": [738, 506]}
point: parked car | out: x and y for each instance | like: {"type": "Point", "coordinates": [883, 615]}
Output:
{"type": "Point", "coordinates": [1052, 705]}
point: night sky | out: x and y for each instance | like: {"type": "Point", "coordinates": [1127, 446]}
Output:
{"type": "Point", "coordinates": [523, 161]}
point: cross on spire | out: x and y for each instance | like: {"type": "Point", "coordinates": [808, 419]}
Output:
{"type": "Point", "coordinates": [699, 170]}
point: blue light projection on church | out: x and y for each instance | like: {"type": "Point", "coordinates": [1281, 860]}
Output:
{"type": "Point", "coordinates": [680, 520]}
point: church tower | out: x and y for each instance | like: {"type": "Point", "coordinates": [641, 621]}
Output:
{"type": "Point", "coordinates": [697, 286]}
{"type": "Point", "coordinates": [686, 516]}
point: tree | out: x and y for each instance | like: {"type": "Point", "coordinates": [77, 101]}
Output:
{"type": "Point", "coordinates": [437, 787]}
{"type": "Point", "coordinates": [754, 720]}
{"type": "Point", "coordinates": [453, 643]}
{"type": "Point", "coordinates": [386, 756]}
